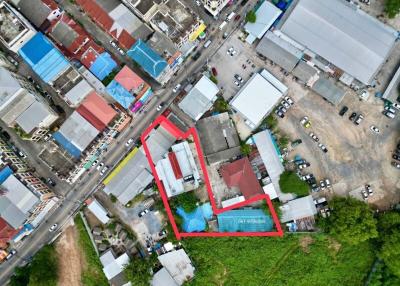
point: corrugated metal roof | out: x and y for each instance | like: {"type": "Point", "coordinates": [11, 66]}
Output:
{"type": "Point", "coordinates": [298, 209]}
{"type": "Point", "coordinates": [10, 213]}
{"type": "Point", "coordinates": [244, 220]}
{"type": "Point", "coordinates": [178, 265]}
{"type": "Point", "coordinates": [163, 278]}
{"type": "Point", "coordinates": [34, 116]}
{"type": "Point", "coordinates": [329, 90]}
{"type": "Point", "coordinates": [19, 195]}
{"type": "Point", "coordinates": [5, 173]}
{"type": "Point", "coordinates": [103, 65]}
{"type": "Point", "coordinates": [120, 94]}
{"type": "Point", "coordinates": [129, 79]}
{"type": "Point", "coordinates": [344, 35]}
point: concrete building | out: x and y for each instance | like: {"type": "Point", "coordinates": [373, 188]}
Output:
{"type": "Point", "coordinates": [113, 267]}
{"type": "Point", "coordinates": [178, 171]}
{"type": "Point", "coordinates": [256, 99]}
{"type": "Point", "coordinates": [200, 98]}
{"type": "Point", "coordinates": [15, 30]}
{"type": "Point", "coordinates": [298, 209]}
{"type": "Point", "coordinates": [98, 210]}
{"type": "Point", "coordinates": [392, 92]}
{"type": "Point", "coordinates": [219, 139]}
{"type": "Point", "coordinates": [19, 106]}
{"type": "Point", "coordinates": [214, 7]}
{"type": "Point", "coordinates": [178, 265]}
{"type": "Point", "coordinates": [342, 34]}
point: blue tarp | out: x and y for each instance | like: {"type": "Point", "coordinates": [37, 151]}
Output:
{"type": "Point", "coordinates": [147, 58]}
{"type": "Point", "coordinates": [196, 220]}
{"type": "Point", "coordinates": [45, 60]}
{"type": "Point", "coordinates": [5, 173]}
{"type": "Point", "coordinates": [120, 94]}
{"type": "Point", "coordinates": [103, 66]}
{"type": "Point", "coordinates": [244, 220]}
{"type": "Point", "coordinates": [68, 146]}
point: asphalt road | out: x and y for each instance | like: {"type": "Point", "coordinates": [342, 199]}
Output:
{"type": "Point", "coordinates": [90, 182]}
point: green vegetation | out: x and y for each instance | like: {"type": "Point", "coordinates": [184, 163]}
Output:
{"type": "Point", "coordinates": [21, 133]}
{"type": "Point", "coordinates": [93, 272]}
{"type": "Point", "coordinates": [351, 221]}
{"type": "Point", "coordinates": [271, 122]}
{"type": "Point", "coordinates": [381, 276]}
{"type": "Point", "coordinates": [294, 260]}
{"type": "Point", "coordinates": [111, 76]}
{"type": "Point", "coordinates": [113, 198]}
{"type": "Point", "coordinates": [251, 16]}
{"type": "Point", "coordinates": [245, 148]}
{"type": "Point", "coordinates": [392, 8]}
{"type": "Point", "coordinates": [42, 271]}
{"type": "Point", "coordinates": [214, 79]}
{"type": "Point", "coordinates": [220, 105]}
{"type": "Point", "coordinates": [283, 142]}
{"type": "Point", "coordinates": [138, 271]}
{"type": "Point", "coordinates": [188, 201]}
{"type": "Point", "coordinates": [289, 182]}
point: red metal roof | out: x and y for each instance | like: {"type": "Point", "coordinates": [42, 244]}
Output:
{"type": "Point", "coordinates": [240, 174]}
{"type": "Point", "coordinates": [6, 233]}
{"type": "Point", "coordinates": [128, 79]}
{"type": "Point", "coordinates": [89, 57]}
{"type": "Point", "coordinates": [97, 111]}
{"type": "Point", "coordinates": [126, 40]}
{"type": "Point", "coordinates": [175, 165]}
{"type": "Point", "coordinates": [96, 13]}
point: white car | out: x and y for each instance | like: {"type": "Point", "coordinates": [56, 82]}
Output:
{"type": "Point", "coordinates": [121, 51]}
{"type": "Point", "coordinates": [95, 162]}
{"type": "Point", "coordinates": [104, 171]}
{"type": "Point", "coordinates": [236, 83]}
{"type": "Point", "coordinates": [100, 166]}
{"type": "Point", "coordinates": [396, 105]}
{"type": "Point", "coordinates": [53, 227]}
{"type": "Point", "coordinates": [159, 107]}
{"type": "Point", "coordinates": [285, 104]}
{"type": "Point", "coordinates": [176, 88]}
{"type": "Point", "coordinates": [374, 129]}
{"type": "Point", "coordinates": [129, 142]}
{"type": "Point", "coordinates": [47, 137]}
{"type": "Point", "coordinates": [114, 44]}
{"type": "Point", "coordinates": [198, 3]}
{"type": "Point", "coordinates": [289, 100]}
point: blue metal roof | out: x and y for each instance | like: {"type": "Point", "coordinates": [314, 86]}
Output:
{"type": "Point", "coordinates": [45, 60]}
{"type": "Point", "coordinates": [244, 220]}
{"type": "Point", "coordinates": [5, 173]}
{"type": "Point", "coordinates": [103, 66]}
{"type": "Point", "coordinates": [192, 222]}
{"type": "Point", "coordinates": [67, 145]}
{"type": "Point", "coordinates": [147, 58]}
{"type": "Point", "coordinates": [120, 94]}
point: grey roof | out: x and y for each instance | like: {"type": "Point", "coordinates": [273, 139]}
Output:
{"type": "Point", "coordinates": [78, 93]}
{"type": "Point", "coordinates": [343, 34]}
{"type": "Point", "coordinates": [10, 213]}
{"type": "Point", "coordinates": [108, 5]}
{"type": "Point", "coordinates": [392, 92]}
{"type": "Point", "coordinates": [8, 86]}
{"type": "Point", "coordinates": [178, 265]}
{"type": "Point", "coordinates": [270, 157]}
{"type": "Point", "coordinates": [33, 116]}
{"type": "Point", "coordinates": [200, 98]}
{"type": "Point", "coordinates": [218, 137]}
{"type": "Point", "coordinates": [16, 107]}
{"type": "Point", "coordinates": [163, 278]}
{"type": "Point", "coordinates": [34, 10]}
{"type": "Point", "coordinates": [19, 194]}
{"type": "Point", "coordinates": [64, 34]}
{"type": "Point", "coordinates": [298, 209]}
{"type": "Point", "coordinates": [329, 90]}
{"type": "Point", "coordinates": [304, 72]}
{"type": "Point", "coordinates": [132, 179]}
{"type": "Point", "coordinates": [279, 51]}
{"type": "Point", "coordinates": [158, 142]}
{"type": "Point", "coordinates": [78, 131]}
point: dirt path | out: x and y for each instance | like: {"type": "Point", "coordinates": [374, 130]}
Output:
{"type": "Point", "coordinates": [70, 262]}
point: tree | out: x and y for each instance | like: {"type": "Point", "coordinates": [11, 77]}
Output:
{"type": "Point", "coordinates": [271, 122]}
{"type": "Point", "coordinates": [44, 267]}
{"type": "Point", "coordinates": [138, 272]}
{"type": "Point", "coordinates": [283, 142]}
{"type": "Point", "coordinates": [289, 182]}
{"type": "Point", "coordinates": [214, 79]}
{"type": "Point", "coordinates": [20, 276]}
{"type": "Point", "coordinates": [188, 201]}
{"type": "Point", "coordinates": [392, 8]}
{"type": "Point", "coordinates": [221, 105]}
{"type": "Point", "coordinates": [351, 221]}
{"type": "Point", "coordinates": [245, 149]}
{"type": "Point", "coordinates": [251, 16]}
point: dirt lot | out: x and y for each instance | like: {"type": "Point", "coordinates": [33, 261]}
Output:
{"type": "Point", "coordinates": [71, 261]}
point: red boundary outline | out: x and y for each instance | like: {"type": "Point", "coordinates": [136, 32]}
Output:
{"type": "Point", "coordinates": [179, 135]}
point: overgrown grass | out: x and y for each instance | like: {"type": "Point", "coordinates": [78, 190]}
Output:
{"type": "Point", "coordinates": [93, 274]}
{"type": "Point", "coordinates": [299, 260]}
{"type": "Point", "coordinates": [289, 182]}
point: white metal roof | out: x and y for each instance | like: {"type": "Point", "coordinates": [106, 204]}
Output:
{"type": "Point", "coordinates": [113, 266]}
{"type": "Point", "coordinates": [35, 116]}
{"type": "Point", "coordinates": [163, 278]}
{"type": "Point", "coordinates": [200, 98]}
{"type": "Point", "coordinates": [270, 191]}
{"type": "Point", "coordinates": [78, 92]}
{"type": "Point", "coordinates": [97, 209]}
{"type": "Point", "coordinates": [298, 209]}
{"type": "Point", "coordinates": [232, 201]}
{"type": "Point", "coordinates": [342, 34]}
{"type": "Point", "coordinates": [256, 99]}
{"type": "Point", "coordinates": [266, 14]}
{"type": "Point", "coordinates": [178, 265]}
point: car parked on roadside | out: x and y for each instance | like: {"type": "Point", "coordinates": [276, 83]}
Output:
{"type": "Point", "coordinates": [98, 168]}
{"type": "Point", "coordinates": [305, 122]}
{"type": "Point", "coordinates": [396, 157]}
{"type": "Point", "coordinates": [143, 212]}
{"type": "Point", "coordinates": [314, 137]}
{"type": "Point", "coordinates": [389, 114]}
{"type": "Point", "coordinates": [279, 113]}
{"type": "Point", "coordinates": [343, 110]}
{"type": "Point", "coordinates": [53, 227]}
{"type": "Point", "coordinates": [396, 165]}
{"type": "Point", "coordinates": [296, 142]}
{"type": "Point", "coordinates": [176, 88]}
{"type": "Point", "coordinates": [353, 116]}
{"type": "Point", "coordinates": [102, 172]}
{"type": "Point", "coordinates": [359, 119]}
{"type": "Point", "coordinates": [285, 104]}
{"type": "Point", "coordinates": [160, 106]}
{"type": "Point", "coordinates": [129, 142]}
{"type": "Point", "coordinates": [289, 100]}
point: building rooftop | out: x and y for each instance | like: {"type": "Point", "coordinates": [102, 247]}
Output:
{"type": "Point", "coordinates": [8, 86]}
{"type": "Point", "coordinates": [38, 114]}
{"type": "Point", "coordinates": [129, 79]}
{"type": "Point", "coordinates": [35, 10]}
{"type": "Point", "coordinates": [219, 138]}
{"type": "Point", "coordinates": [244, 220]}
{"type": "Point", "coordinates": [97, 111]}
{"type": "Point", "coordinates": [178, 265]}
{"type": "Point", "coordinates": [343, 34]}
{"type": "Point", "coordinates": [240, 174]}
{"type": "Point", "coordinates": [6, 233]}
{"type": "Point", "coordinates": [298, 209]}
{"type": "Point", "coordinates": [98, 210]}
{"type": "Point", "coordinates": [78, 93]}
{"type": "Point", "coordinates": [103, 65]}
{"type": "Point", "coordinates": [200, 98]}
{"type": "Point", "coordinates": [163, 278]}
{"type": "Point", "coordinates": [267, 13]}
{"type": "Point", "coordinates": [257, 98]}
{"type": "Point", "coordinates": [329, 90]}
{"type": "Point", "coordinates": [120, 94]}
{"type": "Point", "coordinates": [113, 266]}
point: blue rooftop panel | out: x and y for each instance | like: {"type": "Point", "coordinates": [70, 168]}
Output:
{"type": "Point", "coordinates": [147, 58]}
{"type": "Point", "coordinates": [244, 220]}
{"type": "Point", "coordinates": [36, 48]}
{"type": "Point", "coordinates": [5, 173]}
{"type": "Point", "coordinates": [68, 146]}
{"type": "Point", "coordinates": [103, 66]}
{"type": "Point", "coordinates": [120, 94]}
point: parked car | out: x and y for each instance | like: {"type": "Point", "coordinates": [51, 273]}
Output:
{"type": "Point", "coordinates": [129, 142]}
{"type": "Point", "coordinates": [374, 129]}
{"type": "Point", "coordinates": [121, 51]}
{"type": "Point", "coordinates": [390, 109]}
{"type": "Point", "coordinates": [323, 148]}
{"type": "Point", "coordinates": [214, 71]}
{"type": "Point", "coordinates": [239, 78]}
{"type": "Point", "coordinates": [95, 162]}
{"type": "Point", "coordinates": [160, 106]}
{"type": "Point", "coordinates": [236, 83]}
{"type": "Point", "coordinates": [6, 135]}
{"type": "Point", "coordinates": [359, 119]}
{"type": "Point", "coordinates": [304, 165]}
{"type": "Point", "coordinates": [104, 171]}
{"type": "Point", "coordinates": [282, 108]}
{"type": "Point", "coordinates": [396, 106]}
{"type": "Point", "coordinates": [196, 56]}
{"type": "Point", "coordinates": [327, 183]}
{"type": "Point", "coordinates": [343, 110]}
{"type": "Point", "coordinates": [285, 104]}
{"type": "Point", "coordinates": [353, 116]}
{"type": "Point", "coordinates": [369, 190]}
{"type": "Point", "coordinates": [305, 122]}
{"type": "Point", "coordinates": [389, 114]}
{"type": "Point", "coordinates": [11, 254]}
{"type": "Point", "coordinates": [314, 137]}
{"type": "Point", "coordinates": [364, 194]}
{"type": "Point", "coordinates": [296, 142]}
{"type": "Point", "coordinates": [289, 100]}
{"type": "Point", "coordinates": [21, 154]}
{"type": "Point", "coordinates": [322, 185]}
{"type": "Point", "coordinates": [176, 88]}
{"type": "Point", "coordinates": [113, 44]}
{"type": "Point", "coordinates": [51, 182]}
{"type": "Point", "coordinates": [142, 213]}
{"type": "Point", "coordinates": [237, 17]}
{"type": "Point", "coordinates": [279, 113]}
{"type": "Point", "coordinates": [396, 165]}
{"type": "Point", "coordinates": [396, 157]}
{"type": "Point", "coordinates": [47, 137]}
{"type": "Point", "coordinates": [53, 227]}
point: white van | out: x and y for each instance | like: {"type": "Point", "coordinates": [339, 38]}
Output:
{"type": "Point", "coordinates": [230, 16]}
{"type": "Point", "coordinates": [224, 23]}
{"type": "Point", "coordinates": [207, 44]}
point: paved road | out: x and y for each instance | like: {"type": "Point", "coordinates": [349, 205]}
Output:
{"type": "Point", "coordinates": [91, 181]}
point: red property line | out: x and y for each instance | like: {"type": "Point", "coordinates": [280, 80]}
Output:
{"type": "Point", "coordinates": [179, 135]}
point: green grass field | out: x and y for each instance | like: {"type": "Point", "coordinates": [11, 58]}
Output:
{"type": "Point", "coordinates": [290, 261]}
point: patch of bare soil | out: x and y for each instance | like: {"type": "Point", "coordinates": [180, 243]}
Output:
{"type": "Point", "coordinates": [334, 245]}
{"type": "Point", "coordinates": [70, 259]}
{"type": "Point", "coordinates": [305, 242]}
